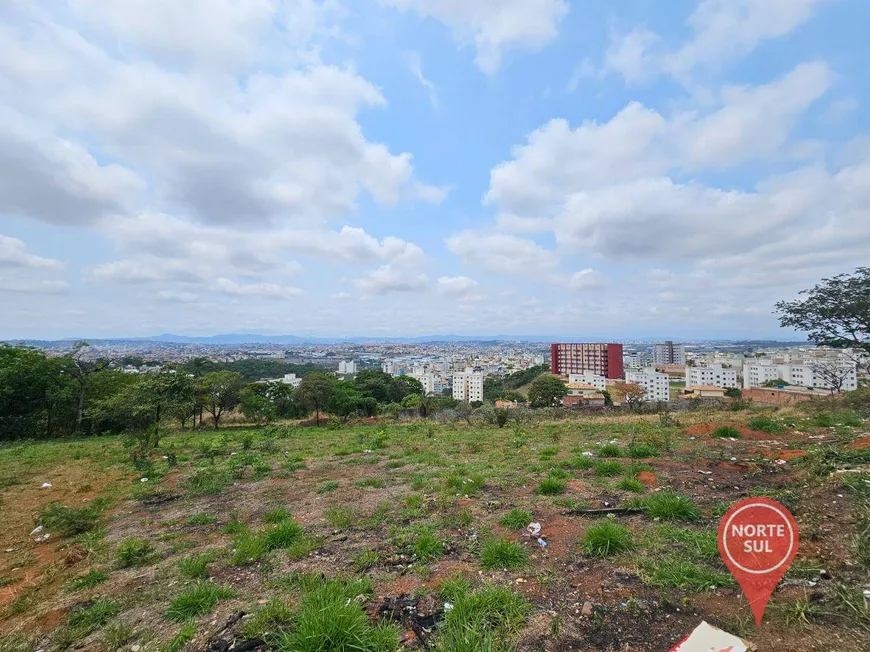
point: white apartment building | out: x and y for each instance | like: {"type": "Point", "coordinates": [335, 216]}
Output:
{"type": "Point", "coordinates": [669, 353]}
{"type": "Point", "coordinates": [290, 379]}
{"type": "Point", "coordinates": [432, 383]}
{"type": "Point", "coordinates": [468, 385]}
{"type": "Point", "coordinates": [589, 378]}
{"type": "Point", "coordinates": [637, 359]}
{"type": "Point", "coordinates": [657, 385]}
{"type": "Point", "coordinates": [715, 375]}
{"type": "Point", "coordinates": [806, 374]}
{"type": "Point", "coordinates": [347, 367]}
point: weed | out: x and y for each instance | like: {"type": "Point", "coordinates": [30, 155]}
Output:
{"type": "Point", "coordinates": [234, 525]}
{"type": "Point", "coordinates": [766, 424]}
{"type": "Point", "coordinates": [277, 515]}
{"type": "Point", "coordinates": [607, 538]}
{"type": "Point", "coordinates": [516, 519]}
{"type": "Point", "coordinates": [207, 481]}
{"type": "Point", "coordinates": [641, 451]}
{"type": "Point", "coordinates": [182, 638]}
{"type": "Point", "coordinates": [365, 560]}
{"type": "Point", "coordinates": [199, 599]}
{"type": "Point", "coordinates": [481, 620]}
{"type": "Point", "coordinates": [414, 501]}
{"type": "Point", "coordinates": [581, 463]}
{"type": "Point", "coordinates": [134, 552]}
{"type": "Point", "coordinates": [202, 519]}
{"type": "Point", "coordinates": [608, 469]}
{"type": "Point", "coordinates": [303, 547]}
{"type": "Point", "coordinates": [87, 618]}
{"type": "Point", "coordinates": [551, 487]}
{"type": "Point", "coordinates": [631, 484]}
{"type": "Point", "coordinates": [117, 635]}
{"type": "Point", "coordinates": [427, 547]}
{"type": "Point", "coordinates": [65, 520]}
{"type": "Point", "coordinates": [247, 441]}
{"type": "Point", "coordinates": [294, 463]}
{"type": "Point", "coordinates": [558, 474]}
{"type": "Point", "coordinates": [670, 505]}
{"type": "Point", "coordinates": [269, 621]}
{"type": "Point", "coordinates": [196, 567]}
{"type": "Point", "coordinates": [726, 432]}
{"type": "Point", "coordinates": [700, 544]}
{"type": "Point", "coordinates": [374, 483]}
{"type": "Point", "coordinates": [330, 618]}
{"type": "Point", "coordinates": [500, 553]}
{"type": "Point", "coordinates": [419, 482]}
{"type": "Point", "coordinates": [340, 518]}
{"type": "Point", "coordinates": [248, 548]}
{"type": "Point", "coordinates": [467, 485]}
{"type": "Point", "coordinates": [680, 573]}
{"type": "Point", "coordinates": [87, 581]}
{"type": "Point", "coordinates": [327, 487]}
{"type": "Point", "coordinates": [610, 450]}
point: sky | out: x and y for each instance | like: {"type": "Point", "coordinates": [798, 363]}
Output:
{"type": "Point", "coordinates": [413, 167]}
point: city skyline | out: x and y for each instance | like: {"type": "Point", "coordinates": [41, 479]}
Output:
{"type": "Point", "coordinates": [409, 167]}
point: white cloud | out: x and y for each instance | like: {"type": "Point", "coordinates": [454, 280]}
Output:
{"type": "Point", "coordinates": [457, 286]}
{"type": "Point", "coordinates": [500, 253]}
{"type": "Point", "coordinates": [494, 27]}
{"type": "Point", "coordinates": [388, 279]}
{"type": "Point", "coordinates": [415, 66]}
{"type": "Point", "coordinates": [33, 286]}
{"type": "Point", "coordinates": [14, 253]}
{"type": "Point", "coordinates": [269, 290]}
{"type": "Point", "coordinates": [631, 56]}
{"type": "Point", "coordinates": [583, 70]}
{"type": "Point", "coordinates": [728, 30]}
{"type": "Point", "coordinates": [585, 279]}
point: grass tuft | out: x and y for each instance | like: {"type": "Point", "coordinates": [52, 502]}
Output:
{"type": "Point", "coordinates": [607, 538]}
{"type": "Point", "coordinates": [726, 432]}
{"type": "Point", "coordinates": [500, 553]}
{"type": "Point", "coordinates": [610, 450]}
{"type": "Point", "coordinates": [134, 552]}
{"type": "Point", "coordinates": [516, 519]}
{"type": "Point", "coordinates": [551, 487]}
{"type": "Point", "coordinates": [199, 599]}
{"type": "Point", "coordinates": [608, 469]}
{"type": "Point", "coordinates": [631, 484]}
{"type": "Point", "coordinates": [766, 424]}
{"type": "Point", "coordinates": [277, 515]}
{"type": "Point", "coordinates": [89, 580]}
{"type": "Point", "coordinates": [195, 567]}
{"type": "Point", "coordinates": [670, 505]}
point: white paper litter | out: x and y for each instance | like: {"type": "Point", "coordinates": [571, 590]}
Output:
{"type": "Point", "coordinates": [534, 529]}
{"type": "Point", "coordinates": [46, 485]}
{"type": "Point", "coordinates": [706, 638]}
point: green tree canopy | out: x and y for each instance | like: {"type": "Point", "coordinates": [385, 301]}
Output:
{"type": "Point", "coordinates": [546, 391]}
{"type": "Point", "coordinates": [315, 391]}
{"type": "Point", "coordinates": [220, 392]}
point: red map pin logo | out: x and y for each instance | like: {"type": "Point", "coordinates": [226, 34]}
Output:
{"type": "Point", "coordinates": [758, 539]}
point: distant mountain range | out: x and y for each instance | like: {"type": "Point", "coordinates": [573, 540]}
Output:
{"type": "Point", "coordinates": [253, 338]}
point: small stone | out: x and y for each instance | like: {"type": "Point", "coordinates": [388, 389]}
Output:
{"type": "Point", "coordinates": [587, 609]}
{"type": "Point", "coordinates": [135, 648]}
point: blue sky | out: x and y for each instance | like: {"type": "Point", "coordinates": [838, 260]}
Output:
{"type": "Point", "coordinates": [409, 167]}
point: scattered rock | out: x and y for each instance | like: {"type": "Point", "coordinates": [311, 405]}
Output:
{"type": "Point", "coordinates": [587, 609]}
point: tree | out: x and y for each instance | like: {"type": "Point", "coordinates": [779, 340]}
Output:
{"type": "Point", "coordinates": [835, 313]}
{"type": "Point", "coordinates": [81, 370]}
{"type": "Point", "coordinates": [501, 417]}
{"type": "Point", "coordinates": [405, 385]}
{"type": "Point", "coordinates": [734, 392]}
{"type": "Point", "coordinates": [631, 394]}
{"type": "Point", "coordinates": [315, 391]}
{"type": "Point", "coordinates": [546, 391]}
{"type": "Point", "coordinates": [256, 404]}
{"type": "Point", "coordinates": [346, 401]}
{"type": "Point", "coordinates": [377, 384]}
{"type": "Point", "coordinates": [220, 392]}
{"type": "Point", "coordinates": [775, 382]}
{"type": "Point", "coordinates": [833, 373]}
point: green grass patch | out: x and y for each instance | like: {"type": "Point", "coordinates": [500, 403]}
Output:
{"type": "Point", "coordinates": [277, 515]}
{"type": "Point", "coordinates": [639, 450]}
{"type": "Point", "coordinates": [516, 519]}
{"type": "Point", "coordinates": [551, 487]}
{"type": "Point", "coordinates": [498, 554]}
{"type": "Point", "coordinates": [339, 517]}
{"type": "Point", "coordinates": [365, 560]}
{"type": "Point", "coordinates": [134, 551]}
{"type": "Point", "coordinates": [269, 622]}
{"type": "Point", "coordinates": [669, 506]}
{"type": "Point", "coordinates": [464, 484]}
{"type": "Point", "coordinates": [610, 450]}
{"type": "Point", "coordinates": [607, 538]}
{"type": "Point", "coordinates": [327, 487]}
{"type": "Point", "coordinates": [726, 432]}
{"type": "Point", "coordinates": [608, 469]}
{"type": "Point", "coordinates": [89, 580]}
{"type": "Point", "coordinates": [766, 424]}
{"type": "Point", "coordinates": [65, 520]}
{"type": "Point", "coordinates": [197, 600]}
{"type": "Point", "coordinates": [427, 546]}
{"type": "Point", "coordinates": [482, 620]}
{"type": "Point", "coordinates": [182, 638]}
{"type": "Point", "coordinates": [373, 483]}
{"type": "Point", "coordinates": [631, 484]}
{"type": "Point", "coordinates": [196, 567]}
{"type": "Point", "coordinates": [202, 519]}
{"type": "Point", "coordinates": [207, 481]}
{"type": "Point", "coordinates": [680, 573]}
{"type": "Point", "coordinates": [84, 619]}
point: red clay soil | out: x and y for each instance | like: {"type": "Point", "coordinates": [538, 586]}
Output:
{"type": "Point", "coordinates": [706, 429]}
{"type": "Point", "coordinates": [561, 534]}
{"type": "Point", "coordinates": [860, 444]}
{"type": "Point", "coordinates": [648, 478]}
{"type": "Point", "coordinates": [782, 454]}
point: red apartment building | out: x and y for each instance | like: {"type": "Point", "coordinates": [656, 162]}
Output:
{"type": "Point", "coordinates": [602, 359]}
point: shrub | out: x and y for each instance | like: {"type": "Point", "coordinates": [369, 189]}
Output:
{"type": "Point", "coordinates": [516, 519]}
{"type": "Point", "coordinates": [499, 553]}
{"type": "Point", "coordinates": [670, 505]}
{"type": "Point", "coordinates": [551, 487]}
{"type": "Point", "coordinates": [134, 552]}
{"type": "Point", "coordinates": [726, 432]}
{"type": "Point", "coordinates": [608, 469]}
{"type": "Point", "coordinates": [199, 599]}
{"type": "Point", "coordinates": [607, 538]}
{"type": "Point", "coordinates": [766, 424]}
